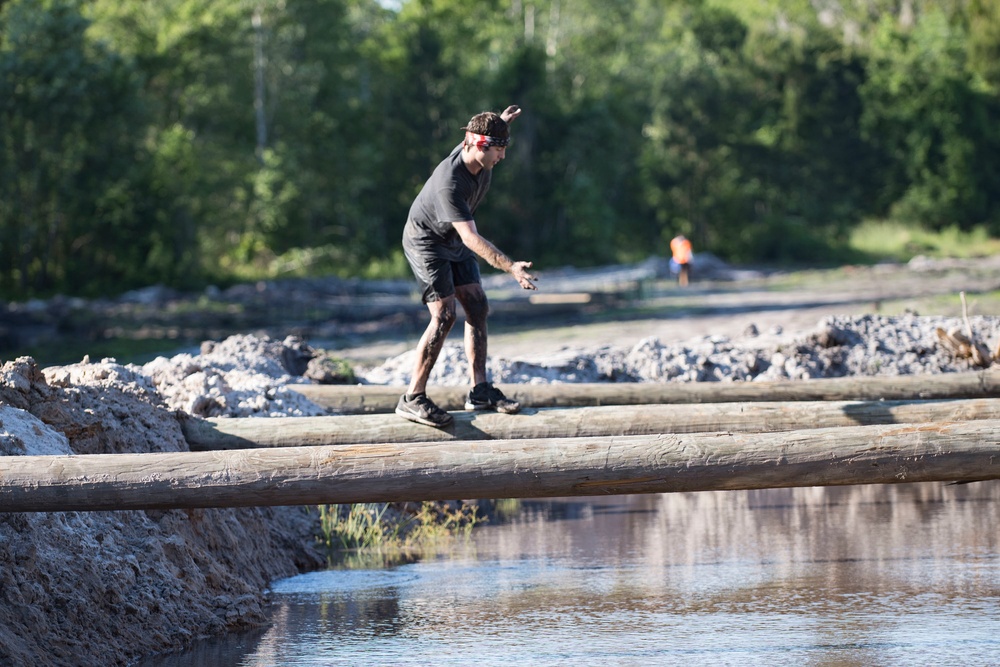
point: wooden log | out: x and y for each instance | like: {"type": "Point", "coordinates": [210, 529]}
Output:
{"type": "Point", "coordinates": [230, 433]}
{"type": "Point", "coordinates": [359, 399]}
{"type": "Point", "coordinates": [946, 452]}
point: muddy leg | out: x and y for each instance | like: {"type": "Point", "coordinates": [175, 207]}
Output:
{"type": "Point", "coordinates": [476, 308]}
{"type": "Point", "coordinates": [431, 342]}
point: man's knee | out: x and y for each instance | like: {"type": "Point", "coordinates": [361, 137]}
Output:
{"type": "Point", "coordinates": [443, 314]}
{"type": "Point", "coordinates": [475, 304]}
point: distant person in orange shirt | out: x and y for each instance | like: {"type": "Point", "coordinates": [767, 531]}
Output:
{"type": "Point", "coordinates": [680, 263]}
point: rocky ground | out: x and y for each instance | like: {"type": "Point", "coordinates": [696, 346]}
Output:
{"type": "Point", "coordinates": [104, 588]}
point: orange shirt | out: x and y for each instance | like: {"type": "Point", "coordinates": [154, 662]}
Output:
{"type": "Point", "coordinates": [681, 248]}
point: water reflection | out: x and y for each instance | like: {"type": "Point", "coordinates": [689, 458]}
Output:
{"type": "Point", "coordinates": [862, 575]}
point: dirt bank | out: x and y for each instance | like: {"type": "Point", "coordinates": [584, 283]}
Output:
{"type": "Point", "coordinates": [104, 588]}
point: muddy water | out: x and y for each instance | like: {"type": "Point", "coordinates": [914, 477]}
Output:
{"type": "Point", "coordinates": [868, 575]}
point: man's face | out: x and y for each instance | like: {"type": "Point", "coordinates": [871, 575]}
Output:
{"type": "Point", "coordinates": [490, 156]}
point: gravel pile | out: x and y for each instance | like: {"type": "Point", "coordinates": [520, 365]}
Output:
{"type": "Point", "coordinates": [242, 376]}
{"type": "Point", "coordinates": [840, 346]}
{"type": "Point", "coordinates": [248, 376]}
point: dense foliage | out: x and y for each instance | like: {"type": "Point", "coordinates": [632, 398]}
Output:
{"type": "Point", "coordinates": [188, 141]}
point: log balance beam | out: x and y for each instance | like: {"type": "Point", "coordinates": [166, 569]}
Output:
{"type": "Point", "coordinates": [608, 420]}
{"type": "Point", "coordinates": [538, 468]}
{"type": "Point", "coordinates": [359, 399]}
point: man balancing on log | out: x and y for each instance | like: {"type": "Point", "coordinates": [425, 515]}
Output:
{"type": "Point", "coordinates": [441, 243]}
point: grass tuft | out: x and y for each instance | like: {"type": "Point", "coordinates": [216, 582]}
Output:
{"type": "Point", "coordinates": [384, 530]}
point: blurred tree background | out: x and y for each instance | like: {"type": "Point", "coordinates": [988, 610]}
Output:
{"type": "Point", "coordinates": [189, 142]}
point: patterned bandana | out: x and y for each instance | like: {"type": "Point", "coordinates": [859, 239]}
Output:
{"type": "Point", "coordinates": [484, 141]}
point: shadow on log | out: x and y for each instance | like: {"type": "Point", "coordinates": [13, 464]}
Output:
{"type": "Point", "coordinates": [360, 399]}
{"type": "Point", "coordinates": [231, 433]}
{"type": "Point", "coordinates": [945, 452]}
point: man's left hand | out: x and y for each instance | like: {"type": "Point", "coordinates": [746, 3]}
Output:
{"type": "Point", "coordinates": [520, 272]}
{"type": "Point", "coordinates": [510, 113]}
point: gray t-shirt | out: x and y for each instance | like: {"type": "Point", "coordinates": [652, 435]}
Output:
{"type": "Point", "coordinates": [451, 194]}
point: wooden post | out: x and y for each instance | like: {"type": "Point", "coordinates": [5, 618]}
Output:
{"type": "Point", "coordinates": [230, 433]}
{"type": "Point", "coordinates": [503, 468]}
{"type": "Point", "coordinates": [357, 399]}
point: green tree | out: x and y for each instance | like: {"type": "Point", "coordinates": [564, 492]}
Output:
{"type": "Point", "coordinates": [70, 125]}
{"type": "Point", "coordinates": [924, 109]}
{"type": "Point", "coordinates": [815, 154]}
{"type": "Point", "coordinates": [188, 140]}
{"type": "Point", "coordinates": [983, 20]}
{"type": "Point", "coordinates": [706, 133]}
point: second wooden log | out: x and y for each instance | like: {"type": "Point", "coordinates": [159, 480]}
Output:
{"type": "Point", "coordinates": [231, 433]}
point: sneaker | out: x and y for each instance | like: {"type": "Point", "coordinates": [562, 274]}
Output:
{"type": "Point", "coordinates": [422, 410]}
{"type": "Point", "coordinates": [484, 396]}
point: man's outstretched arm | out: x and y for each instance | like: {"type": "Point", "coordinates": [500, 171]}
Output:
{"type": "Point", "coordinates": [493, 256]}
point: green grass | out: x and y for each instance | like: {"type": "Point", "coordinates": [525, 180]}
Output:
{"type": "Point", "coordinates": [381, 528]}
{"type": "Point", "coordinates": [896, 241]}
{"type": "Point", "coordinates": [944, 305]}
{"type": "Point", "coordinates": [360, 526]}
{"type": "Point", "coordinates": [316, 261]}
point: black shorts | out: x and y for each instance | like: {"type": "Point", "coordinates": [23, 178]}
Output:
{"type": "Point", "coordinates": [437, 276]}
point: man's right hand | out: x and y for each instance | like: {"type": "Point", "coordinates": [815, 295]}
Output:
{"type": "Point", "coordinates": [520, 272]}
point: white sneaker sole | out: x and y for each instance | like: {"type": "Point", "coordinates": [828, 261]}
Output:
{"type": "Point", "coordinates": [420, 420]}
{"type": "Point", "coordinates": [505, 411]}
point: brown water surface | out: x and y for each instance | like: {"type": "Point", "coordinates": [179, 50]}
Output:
{"type": "Point", "coordinates": [863, 575]}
